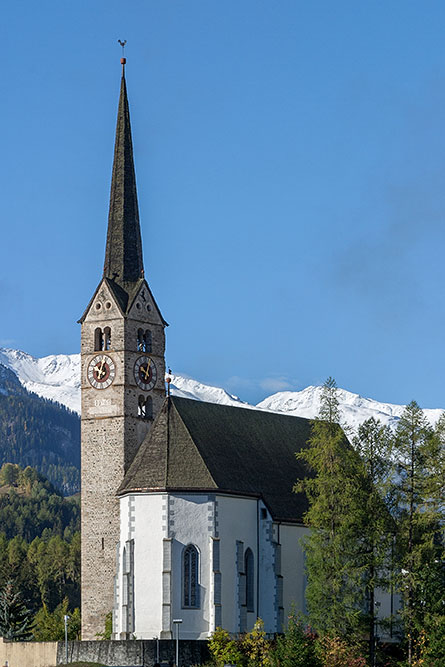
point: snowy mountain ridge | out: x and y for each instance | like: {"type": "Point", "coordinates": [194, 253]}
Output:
{"type": "Point", "coordinates": [57, 377]}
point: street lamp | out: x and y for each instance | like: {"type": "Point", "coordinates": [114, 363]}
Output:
{"type": "Point", "coordinates": [177, 622]}
{"type": "Point", "coordinates": [66, 619]}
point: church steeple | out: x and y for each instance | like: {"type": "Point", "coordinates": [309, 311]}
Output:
{"type": "Point", "coordinates": [123, 389]}
{"type": "Point", "coordinates": [123, 255]}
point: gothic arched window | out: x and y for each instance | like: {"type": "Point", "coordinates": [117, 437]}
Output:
{"type": "Point", "coordinates": [98, 340]}
{"type": "Point", "coordinates": [107, 338]}
{"type": "Point", "coordinates": [190, 577]}
{"type": "Point", "coordinates": [250, 579]}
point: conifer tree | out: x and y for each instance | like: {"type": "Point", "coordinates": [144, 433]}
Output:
{"type": "Point", "coordinates": [335, 492]}
{"type": "Point", "coordinates": [373, 443]}
{"type": "Point", "coordinates": [15, 618]}
{"type": "Point", "coordinates": [419, 544]}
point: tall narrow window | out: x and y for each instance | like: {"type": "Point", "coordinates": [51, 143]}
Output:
{"type": "Point", "coordinates": [148, 408]}
{"type": "Point", "coordinates": [141, 341]}
{"type": "Point", "coordinates": [98, 340]}
{"type": "Point", "coordinates": [147, 340]}
{"type": "Point", "coordinates": [107, 338]}
{"type": "Point", "coordinates": [145, 407]}
{"type": "Point", "coordinates": [141, 406]}
{"type": "Point", "coordinates": [249, 571]}
{"type": "Point", "coordinates": [190, 577]}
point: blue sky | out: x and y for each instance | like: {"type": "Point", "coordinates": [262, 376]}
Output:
{"type": "Point", "coordinates": [290, 159]}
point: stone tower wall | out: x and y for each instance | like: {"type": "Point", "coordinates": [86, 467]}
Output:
{"type": "Point", "coordinates": [111, 434]}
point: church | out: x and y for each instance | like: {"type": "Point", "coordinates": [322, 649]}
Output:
{"type": "Point", "coordinates": [188, 510]}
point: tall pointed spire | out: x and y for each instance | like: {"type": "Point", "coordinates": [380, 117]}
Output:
{"type": "Point", "coordinates": [123, 255]}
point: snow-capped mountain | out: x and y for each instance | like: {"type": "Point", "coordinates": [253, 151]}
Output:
{"type": "Point", "coordinates": [189, 388]}
{"type": "Point", "coordinates": [354, 409]}
{"type": "Point", "coordinates": [57, 377]}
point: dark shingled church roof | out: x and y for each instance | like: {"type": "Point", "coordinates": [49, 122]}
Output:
{"type": "Point", "coordinates": [200, 446]}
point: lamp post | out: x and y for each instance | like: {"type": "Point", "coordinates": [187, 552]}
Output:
{"type": "Point", "coordinates": [66, 619]}
{"type": "Point", "coordinates": [177, 622]}
{"type": "Point", "coordinates": [376, 638]}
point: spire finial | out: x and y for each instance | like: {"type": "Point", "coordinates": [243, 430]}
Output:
{"type": "Point", "coordinates": [122, 42]}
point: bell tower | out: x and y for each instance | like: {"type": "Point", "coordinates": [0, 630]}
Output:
{"type": "Point", "coordinates": [122, 386]}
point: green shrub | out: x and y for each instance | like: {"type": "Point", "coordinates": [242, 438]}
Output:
{"type": "Point", "coordinates": [297, 647]}
{"type": "Point", "coordinates": [337, 652]}
{"type": "Point", "coordinates": [224, 649]}
{"type": "Point", "coordinates": [255, 646]}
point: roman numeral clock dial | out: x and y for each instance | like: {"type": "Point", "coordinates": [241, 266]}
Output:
{"type": "Point", "coordinates": [145, 373]}
{"type": "Point", "coordinates": [101, 371]}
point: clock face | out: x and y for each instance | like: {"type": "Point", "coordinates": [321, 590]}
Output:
{"type": "Point", "coordinates": [145, 373]}
{"type": "Point", "coordinates": [101, 371]}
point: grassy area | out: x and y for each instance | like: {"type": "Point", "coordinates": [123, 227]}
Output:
{"type": "Point", "coordinates": [82, 664]}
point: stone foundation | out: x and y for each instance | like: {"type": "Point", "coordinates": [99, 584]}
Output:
{"type": "Point", "coordinates": [130, 653]}
{"type": "Point", "coordinates": [134, 652]}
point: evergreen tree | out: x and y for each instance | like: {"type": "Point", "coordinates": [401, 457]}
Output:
{"type": "Point", "coordinates": [373, 443]}
{"type": "Point", "coordinates": [50, 627]}
{"type": "Point", "coordinates": [15, 618]}
{"type": "Point", "coordinates": [336, 493]}
{"type": "Point", "coordinates": [419, 530]}
{"type": "Point", "coordinates": [297, 647]}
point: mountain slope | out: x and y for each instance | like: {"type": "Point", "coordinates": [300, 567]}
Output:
{"type": "Point", "coordinates": [37, 432]}
{"type": "Point", "coordinates": [56, 377]}
{"type": "Point", "coordinates": [354, 409]}
{"type": "Point", "coordinates": [189, 388]}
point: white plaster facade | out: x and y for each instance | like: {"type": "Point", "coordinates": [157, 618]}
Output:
{"type": "Point", "coordinates": [155, 530]}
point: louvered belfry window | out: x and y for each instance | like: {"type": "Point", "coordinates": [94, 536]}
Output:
{"type": "Point", "coordinates": [190, 577]}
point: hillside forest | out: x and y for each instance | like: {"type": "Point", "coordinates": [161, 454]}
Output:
{"type": "Point", "coordinates": [39, 557]}
{"type": "Point", "coordinates": [40, 433]}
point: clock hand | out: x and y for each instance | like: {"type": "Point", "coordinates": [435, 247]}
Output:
{"type": "Point", "coordinates": [102, 372]}
{"type": "Point", "coordinates": [100, 369]}
{"type": "Point", "coordinates": [146, 372]}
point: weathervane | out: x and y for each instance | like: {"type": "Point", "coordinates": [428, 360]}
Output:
{"type": "Point", "coordinates": [123, 59]}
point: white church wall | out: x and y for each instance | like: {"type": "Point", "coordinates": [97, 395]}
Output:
{"type": "Point", "coordinates": [292, 567]}
{"type": "Point", "coordinates": [143, 520]}
{"type": "Point", "coordinates": [150, 529]}
{"type": "Point", "coordinates": [237, 522]}
{"type": "Point", "coordinates": [192, 521]}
